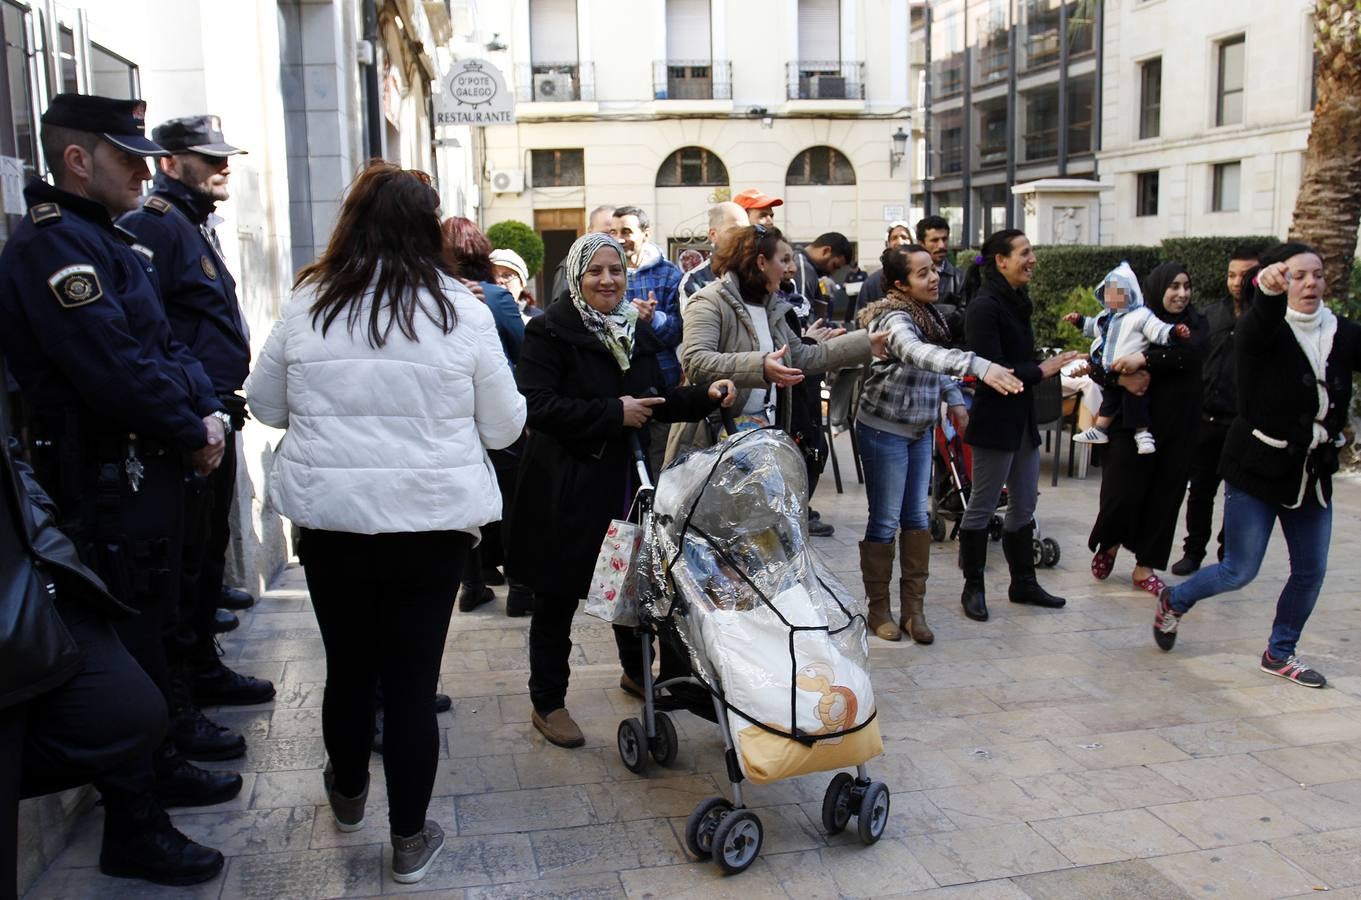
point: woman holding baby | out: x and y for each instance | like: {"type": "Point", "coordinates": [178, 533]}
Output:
{"type": "Point", "coordinates": [1141, 492]}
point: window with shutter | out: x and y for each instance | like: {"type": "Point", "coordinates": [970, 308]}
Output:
{"type": "Point", "coordinates": [687, 31]}
{"type": "Point", "coordinates": [820, 31]}
{"type": "Point", "coordinates": [553, 31]}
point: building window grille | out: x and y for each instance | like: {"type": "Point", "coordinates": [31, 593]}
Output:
{"type": "Point", "coordinates": [557, 168]}
{"type": "Point", "coordinates": [692, 167]}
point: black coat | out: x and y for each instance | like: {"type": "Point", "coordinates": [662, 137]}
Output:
{"type": "Point", "coordinates": [997, 328]}
{"type": "Point", "coordinates": [1221, 385]}
{"type": "Point", "coordinates": [577, 471]}
{"type": "Point", "coordinates": [38, 653]}
{"type": "Point", "coordinates": [1141, 496]}
{"type": "Point", "coordinates": [1277, 402]}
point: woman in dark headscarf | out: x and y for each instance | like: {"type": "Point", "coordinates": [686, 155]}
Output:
{"type": "Point", "coordinates": [1141, 495]}
{"type": "Point", "coordinates": [591, 380]}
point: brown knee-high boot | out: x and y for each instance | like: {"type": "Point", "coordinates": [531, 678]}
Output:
{"type": "Point", "coordinates": [915, 560]}
{"type": "Point", "coordinates": [876, 569]}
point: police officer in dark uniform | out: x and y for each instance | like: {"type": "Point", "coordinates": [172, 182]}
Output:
{"type": "Point", "coordinates": [117, 412]}
{"type": "Point", "coordinates": [175, 223]}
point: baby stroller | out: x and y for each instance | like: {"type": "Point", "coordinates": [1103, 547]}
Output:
{"type": "Point", "coordinates": [779, 647]}
{"type": "Point", "coordinates": [951, 484]}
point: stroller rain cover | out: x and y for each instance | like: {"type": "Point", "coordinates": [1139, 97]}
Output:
{"type": "Point", "coordinates": [727, 562]}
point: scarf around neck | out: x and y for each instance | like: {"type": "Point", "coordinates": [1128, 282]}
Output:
{"type": "Point", "coordinates": [930, 323]}
{"type": "Point", "coordinates": [1314, 333]}
{"type": "Point", "coordinates": [614, 329]}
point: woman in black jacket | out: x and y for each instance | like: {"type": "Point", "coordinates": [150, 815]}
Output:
{"type": "Point", "coordinates": [1002, 428]}
{"type": "Point", "coordinates": [1295, 361]}
{"type": "Point", "coordinates": [1141, 494]}
{"type": "Point", "coordinates": [591, 379]}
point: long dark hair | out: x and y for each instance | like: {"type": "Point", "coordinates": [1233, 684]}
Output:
{"type": "Point", "coordinates": [466, 248]}
{"type": "Point", "coordinates": [737, 253]}
{"type": "Point", "coordinates": [999, 243]}
{"type": "Point", "coordinates": [387, 235]}
{"type": "Point", "coordinates": [894, 261]}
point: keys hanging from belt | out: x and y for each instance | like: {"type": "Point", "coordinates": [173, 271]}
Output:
{"type": "Point", "coordinates": [133, 468]}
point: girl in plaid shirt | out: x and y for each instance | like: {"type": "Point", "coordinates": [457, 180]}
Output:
{"type": "Point", "coordinates": [899, 405]}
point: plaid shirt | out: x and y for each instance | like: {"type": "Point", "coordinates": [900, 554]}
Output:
{"type": "Point", "coordinates": [662, 277]}
{"type": "Point", "coordinates": [902, 394]}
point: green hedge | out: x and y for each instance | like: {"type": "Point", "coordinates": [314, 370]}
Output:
{"type": "Point", "coordinates": [1061, 270]}
{"type": "Point", "coordinates": [517, 236]}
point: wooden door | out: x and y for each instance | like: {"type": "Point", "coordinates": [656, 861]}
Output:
{"type": "Point", "coordinates": [559, 228]}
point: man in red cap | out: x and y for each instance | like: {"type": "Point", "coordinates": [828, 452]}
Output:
{"type": "Point", "coordinates": [760, 207]}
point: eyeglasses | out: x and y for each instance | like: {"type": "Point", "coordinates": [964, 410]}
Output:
{"type": "Point", "coordinates": [761, 230]}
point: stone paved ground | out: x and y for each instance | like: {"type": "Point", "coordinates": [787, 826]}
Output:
{"type": "Point", "coordinates": [1042, 755]}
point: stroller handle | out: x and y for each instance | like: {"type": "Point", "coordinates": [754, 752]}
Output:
{"type": "Point", "coordinates": [640, 461]}
{"type": "Point", "coordinates": [724, 413]}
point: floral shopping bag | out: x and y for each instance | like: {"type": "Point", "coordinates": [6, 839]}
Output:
{"type": "Point", "coordinates": [613, 595]}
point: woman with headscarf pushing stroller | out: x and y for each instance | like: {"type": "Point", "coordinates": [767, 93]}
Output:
{"type": "Point", "coordinates": [591, 380]}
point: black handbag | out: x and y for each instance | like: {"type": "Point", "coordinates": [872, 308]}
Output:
{"type": "Point", "coordinates": [37, 652]}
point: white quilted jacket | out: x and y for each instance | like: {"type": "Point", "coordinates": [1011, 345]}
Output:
{"type": "Point", "coordinates": [386, 439]}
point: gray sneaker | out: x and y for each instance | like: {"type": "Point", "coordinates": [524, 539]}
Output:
{"type": "Point", "coordinates": [413, 856]}
{"type": "Point", "coordinates": [349, 811]}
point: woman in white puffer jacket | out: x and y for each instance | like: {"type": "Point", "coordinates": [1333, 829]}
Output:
{"type": "Point", "coordinates": [391, 381]}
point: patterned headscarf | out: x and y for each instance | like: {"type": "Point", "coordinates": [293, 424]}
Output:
{"type": "Point", "coordinates": [615, 328]}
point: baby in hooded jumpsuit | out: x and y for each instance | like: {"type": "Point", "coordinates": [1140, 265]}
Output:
{"type": "Point", "coordinates": [1124, 327]}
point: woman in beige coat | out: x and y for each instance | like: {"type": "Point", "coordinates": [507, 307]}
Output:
{"type": "Point", "coordinates": [739, 327]}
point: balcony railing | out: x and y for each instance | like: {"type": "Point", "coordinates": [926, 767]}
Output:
{"type": "Point", "coordinates": [692, 79]}
{"type": "Point", "coordinates": [826, 81]}
{"type": "Point", "coordinates": [554, 82]}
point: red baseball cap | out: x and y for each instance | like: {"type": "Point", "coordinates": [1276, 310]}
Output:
{"type": "Point", "coordinates": [752, 198]}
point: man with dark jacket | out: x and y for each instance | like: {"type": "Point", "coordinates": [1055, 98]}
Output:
{"type": "Point", "coordinates": [826, 254]}
{"type": "Point", "coordinates": [117, 413]}
{"type": "Point", "coordinates": [176, 224]}
{"type": "Point", "coordinates": [1219, 405]}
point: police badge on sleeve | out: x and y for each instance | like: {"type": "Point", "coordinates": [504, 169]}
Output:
{"type": "Point", "coordinates": [75, 285]}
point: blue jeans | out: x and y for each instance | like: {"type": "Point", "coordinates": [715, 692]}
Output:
{"type": "Point", "coordinates": [897, 478]}
{"type": "Point", "coordinates": [1247, 530]}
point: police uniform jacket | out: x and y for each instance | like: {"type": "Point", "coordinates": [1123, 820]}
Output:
{"type": "Point", "coordinates": [84, 332]}
{"type": "Point", "coordinates": [199, 292]}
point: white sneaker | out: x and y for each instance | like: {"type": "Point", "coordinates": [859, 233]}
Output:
{"type": "Point", "coordinates": [1144, 443]}
{"type": "Point", "coordinates": [1092, 435]}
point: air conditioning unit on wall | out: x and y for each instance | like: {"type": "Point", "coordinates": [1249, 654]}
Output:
{"type": "Point", "coordinates": [508, 181]}
{"type": "Point", "coordinates": [553, 86]}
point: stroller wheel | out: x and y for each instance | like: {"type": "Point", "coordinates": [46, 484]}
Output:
{"type": "Point", "coordinates": [703, 822]}
{"type": "Point", "coordinates": [873, 814]}
{"type": "Point", "coordinates": [937, 528]}
{"type": "Point", "coordinates": [836, 803]}
{"type": "Point", "coordinates": [633, 745]}
{"type": "Point", "coordinates": [1051, 552]}
{"type": "Point", "coordinates": [737, 841]}
{"type": "Point", "coordinates": [1037, 550]}
{"type": "Point", "coordinates": [995, 528]}
{"type": "Point", "coordinates": [665, 744]}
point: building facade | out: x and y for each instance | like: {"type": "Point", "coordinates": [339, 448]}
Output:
{"type": "Point", "coordinates": [1010, 93]}
{"type": "Point", "coordinates": [1192, 115]}
{"type": "Point", "coordinates": [1205, 111]}
{"type": "Point", "coordinates": [672, 105]}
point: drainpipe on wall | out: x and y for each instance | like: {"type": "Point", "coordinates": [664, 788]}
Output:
{"type": "Point", "coordinates": [373, 97]}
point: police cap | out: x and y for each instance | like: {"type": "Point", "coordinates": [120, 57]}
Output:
{"type": "Point", "coordinates": [120, 122]}
{"type": "Point", "coordinates": [194, 134]}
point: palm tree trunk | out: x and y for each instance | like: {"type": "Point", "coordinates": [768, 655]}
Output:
{"type": "Point", "coordinates": [1328, 207]}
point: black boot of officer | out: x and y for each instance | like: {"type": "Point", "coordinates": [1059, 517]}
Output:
{"type": "Point", "coordinates": [140, 842]}
{"type": "Point", "coordinates": [194, 734]}
{"type": "Point", "coordinates": [181, 783]}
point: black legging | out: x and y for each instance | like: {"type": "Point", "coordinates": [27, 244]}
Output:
{"type": "Point", "coordinates": [383, 603]}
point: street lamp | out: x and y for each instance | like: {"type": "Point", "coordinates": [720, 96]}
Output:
{"type": "Point", "coordinates": [897, 151]}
